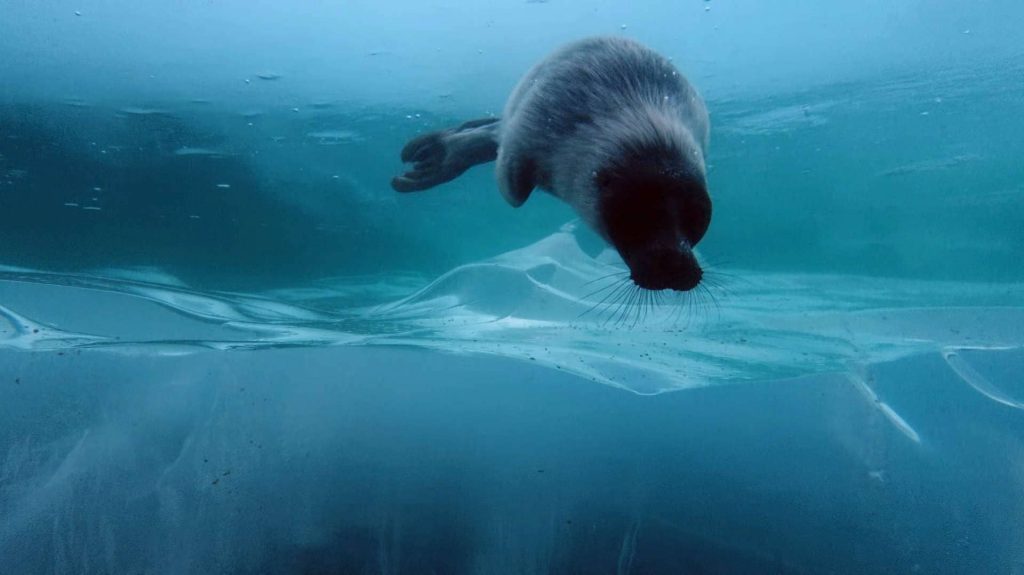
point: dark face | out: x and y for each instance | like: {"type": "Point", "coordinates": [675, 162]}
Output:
{"type": "Point", "coordinates": [654, 219]}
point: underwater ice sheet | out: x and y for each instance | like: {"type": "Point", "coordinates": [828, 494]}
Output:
{"type": "Point", "coordinates": [490, 422]}
{"type": "Point", "coordinates": [175, 458]}
{"type": "Point", "coordinates": [549, 303]}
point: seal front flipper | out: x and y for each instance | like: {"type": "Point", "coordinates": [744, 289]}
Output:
{"type": "Point", "coordinates": [516, 178]}
{"type": "Point", "coordinates": [440, 157]}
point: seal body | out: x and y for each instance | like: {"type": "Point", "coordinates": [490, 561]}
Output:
{"type": "Point", "coordinates": [613, 129]}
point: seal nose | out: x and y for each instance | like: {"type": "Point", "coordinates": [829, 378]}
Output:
{"type": "Point", "coordinates": [666, 269]}
{"type": "Point", "coordinates": [688, 281]}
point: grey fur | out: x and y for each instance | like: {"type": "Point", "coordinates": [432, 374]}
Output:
{"type": "Point", "coordinates": [573, 114]}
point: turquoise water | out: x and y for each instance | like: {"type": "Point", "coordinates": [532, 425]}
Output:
{"type": "Point", "coordinates": [226, 345]}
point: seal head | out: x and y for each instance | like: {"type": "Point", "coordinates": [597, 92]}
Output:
{"type": "Point", "coordinates": [654, 211]}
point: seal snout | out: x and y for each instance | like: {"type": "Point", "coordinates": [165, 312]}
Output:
{"type": "Point", "coordinates": [660, 269]}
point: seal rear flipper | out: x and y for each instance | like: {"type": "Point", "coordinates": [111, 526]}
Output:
{"type": "Point", "coordinates": [440, 157]}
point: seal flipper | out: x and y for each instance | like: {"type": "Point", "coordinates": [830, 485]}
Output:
{"type": "Point", "coordinates": [440, 157]}
{"type": "Point", "coordinates": [517, 179]}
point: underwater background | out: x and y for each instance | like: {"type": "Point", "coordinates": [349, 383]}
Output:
{"type": "Point", "coordinates": [227, 346]}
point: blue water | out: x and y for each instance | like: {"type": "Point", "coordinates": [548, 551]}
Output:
{"type": "Point", "coordinates": [227, 346]}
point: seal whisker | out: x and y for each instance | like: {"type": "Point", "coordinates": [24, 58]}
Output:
{"type": "Point", "coordinates": [599, 290]}
{"type": "Point", "coordinates": [604, 277]}
{"type": "Point", "coordinates": [638, 310]}
{"type": "Point", "coordinates": [705, 304]}
{"type": "Point", "coordinates": [723, 278]}
{"type": "Point", "coordinates": [714, 309]}
{"type": "Point", "coordinates": [678, 308]}
{"type": "Point", "coordinates": [661, 298]}
{"type": "Point", "coordinates": [721, 290]}
{"type": "Point", "coordinates": [649, 306]}
{"type": "Point", "coordinates": [646, 308]}
{"type": "Point", "coordinates": [631, 304]}
{"type": "Point", "coordinates": [618, 288]}
{"type": "Point", "coordinates": [686, 309]}
{"type": "Point", "coordinates": [624, 304]}
{"type": "Point", "coordinates": [714, 302]}
{"type": "Point", "coordinates": [699, 305]}
{"type": "Point", "coordinates": [641, 311]}
{"type": "Point", "coordinates": [693, 308]}
{"type": "Point", "coordinates": [614, 300]}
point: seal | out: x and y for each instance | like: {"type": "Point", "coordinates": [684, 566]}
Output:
{"type": "Point", "coordinates": [613, 129]}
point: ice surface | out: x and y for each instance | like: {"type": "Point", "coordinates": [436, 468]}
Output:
{"type": "Point", "coordinates": [483, 423]}
{"type": "Point", "coordinates": [539, 303]}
